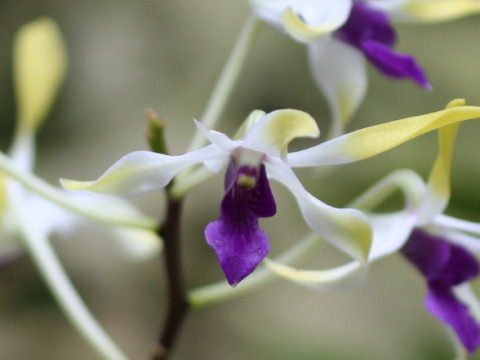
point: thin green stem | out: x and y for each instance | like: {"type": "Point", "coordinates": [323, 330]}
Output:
{"type": "Point", "coordinates": [222, 291]}
{"type": "Point", "coordinates": [58, 197]}
{"type": "Point", "coordinates": [227, 79]}
{"type": "Point", "coordinates": [65, 294]}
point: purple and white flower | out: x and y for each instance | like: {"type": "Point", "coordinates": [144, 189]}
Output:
{"type": "Point", "coordinates": [341, 34]}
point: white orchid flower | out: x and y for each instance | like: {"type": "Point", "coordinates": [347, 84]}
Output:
{"type": "Point", "coordinates": [261, 155]}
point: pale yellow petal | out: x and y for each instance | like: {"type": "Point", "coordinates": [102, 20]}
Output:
{"type": "Point", "coordinates": [277, 129]}
{"type": "Point", "coordinates": [439, 10]}
{"type": "Point", "coordinates": [39, 66]}
{"type": "Point", "coordinates": [376, 139]}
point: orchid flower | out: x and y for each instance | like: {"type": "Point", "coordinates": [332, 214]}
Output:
{"type": "Point", "coordinates": [442, 248]}
{"type": "Point", "coordinates": [32, 210]}
{"type": "Point", "coordinates": [256, 158]}
{"type": "Point", "coordinates": [40, 62]}
{"type": "Point", "coordinates": [341, 34]}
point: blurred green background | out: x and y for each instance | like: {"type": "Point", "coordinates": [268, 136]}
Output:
{"type": "Point", "coordinates": [126, 56]}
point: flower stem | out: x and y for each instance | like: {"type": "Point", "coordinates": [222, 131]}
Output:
{"type": "Point", "coordinates": [67, 297]}
{"type": "Point", "coordinates": [177, 294]}
{"type": "Point", "coordinates": [227, 79]}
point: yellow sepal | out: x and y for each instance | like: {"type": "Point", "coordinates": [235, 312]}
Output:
{"type": "Point", "coordinates": [40, 60]}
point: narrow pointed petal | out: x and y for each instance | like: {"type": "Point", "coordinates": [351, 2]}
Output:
{"type": "Point", "coordinates": [339, 71]}
{"type": "Point", "coordinates": [142, 171]}
{"type": "Point", "coordinates": [347, 229]}
{"type": "Point", "coordinates": [273, 132]}
{"type": "Point", "coordinates": [337, 278]}
{"type": "Point", "coordinates": [39, 67]}
{"type": "Point", "coordinates": [373, 140]}
{"type": "Point", "coordinates": [433, 10]}
{"type": "Point", "coordinates": [236, 237]}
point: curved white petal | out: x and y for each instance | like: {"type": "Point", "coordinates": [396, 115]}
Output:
{"type": "Point", "coordinates": [339, 71]}
{"type": "Point", "coordinates": [304, 20]}
{"type": "Point", "coordinates": [142, 171]}
{"type": "Point", "coordinates": [217, 138]}
{"type": "Point", "coordinates": [346, 229]}
{"type": "Point", "coordinates": [390, 232]}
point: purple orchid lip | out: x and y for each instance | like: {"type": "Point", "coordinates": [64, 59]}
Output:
{"type": "Point", "coordinates": [369, 30]}
{"type": "Point", "coordinates": [445, 266]}
{"type": "Point", "coordinates": [236, 237]}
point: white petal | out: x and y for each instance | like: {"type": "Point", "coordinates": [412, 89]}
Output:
{"type": "Point", "coordinates": [142, 171]}
{"type": "Point", "coordinates": [217, 138]}
{"type": "Point", "coordinates": [339, 71]}
{"type": "Point", "coordinates": [303, 19]}
{"type": "Point", "coordinates": [390, 232]}
{"type": "Point", "coordinates": [347, 229]}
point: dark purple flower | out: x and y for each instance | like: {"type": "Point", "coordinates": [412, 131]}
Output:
{"type": "Point", "coordinates": [444, 266]}
{"type": "Point", "coordinates": [237, 239]}
{"type": "Point", "coordinates": [369, 30]}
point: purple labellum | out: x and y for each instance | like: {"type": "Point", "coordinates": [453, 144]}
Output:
{"type": "Point", "coordinates": [444, 266]}
{"type": "Point", "coordinates": [369, 30]}
{"type": "Point", "coordinates": [236, 237]}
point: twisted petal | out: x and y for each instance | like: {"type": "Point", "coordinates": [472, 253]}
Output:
{"type": "Point", "coordinates": [373, 140]}
{"type": "Point", "coordinates": [330, 279]}
{"type": "Point", "coordinates": [339, 71]}
{"type": "Point", "coordinates": [142, 171]}
{"type": "Point", "coordinates": [347, 229]}
{"type": "Point", "coordinates": [39, 68]}
{"type": "Point", "coordinates": [438, 188]}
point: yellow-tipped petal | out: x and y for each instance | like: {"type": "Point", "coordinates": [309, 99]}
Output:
{"type": "Point", "coordinates": [277, 129]}
{"type": "Point", "coordinates": [330, 279]}
{"type": "Point", "coordinates": [376, 139]}
{"type": "Point", "coordinates": [440, 10]}
{"type": "Point", "coordinates": [438, 191]}
{"type": "Point", "coordinates": [39, 66]}
{"type": "Point", "coordinates": [302, 31]}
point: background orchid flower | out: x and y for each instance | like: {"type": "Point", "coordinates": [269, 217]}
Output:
{"type": "Point", "coordinates": [442, 248]}
{"type": "Point", "coordinates": [40, 63]}
{"type": "Point", "coordinates": [31, 210]}
{"type": "Point", "coordinates": [341, 34]}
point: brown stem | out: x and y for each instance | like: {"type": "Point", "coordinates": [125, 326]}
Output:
{"type": "Point", "coordinates": [177, 294]}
